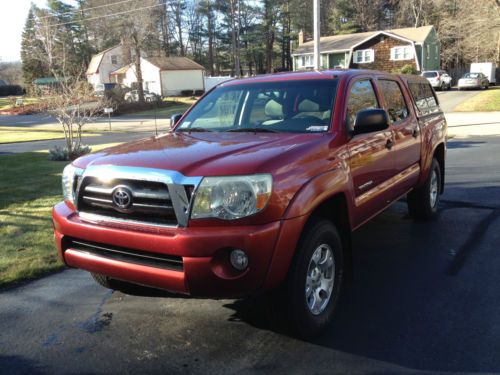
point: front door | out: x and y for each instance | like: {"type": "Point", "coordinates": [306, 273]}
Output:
{"type": "Point", "coordinates": [370, 155]}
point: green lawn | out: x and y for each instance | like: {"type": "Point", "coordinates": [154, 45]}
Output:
{"type": "Point", "coordinates": [486, 101]}
{"type": "Point", "coordinates": [8, 101]}
{"type": "Point", "coordinates": [29, 186]}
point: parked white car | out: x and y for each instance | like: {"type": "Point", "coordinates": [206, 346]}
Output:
{"type": "Point", "coordinates": [133, 96]}
{"type": "Point", "coordinates": [473, 81]}
{"type": "Point", "coordinates": [438, 79]}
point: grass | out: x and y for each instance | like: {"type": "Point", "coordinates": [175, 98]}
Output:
{"type": "Point", "coordinates": [8, 102]}
{"type": "Point", "coordinates": [9, 134]}
{"type": "Point", "coordinates": [486, 101]}
{"type": "Point", "coordinates": [30, 185]}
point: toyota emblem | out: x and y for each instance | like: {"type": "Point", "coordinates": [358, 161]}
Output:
{"type": "Point", "coordinates": [122, 198]}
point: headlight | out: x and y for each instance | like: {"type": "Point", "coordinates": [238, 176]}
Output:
{"type": "Point", "coordinates": [231, 197]}
{"type": "Point", "coordinates": [69, 181]}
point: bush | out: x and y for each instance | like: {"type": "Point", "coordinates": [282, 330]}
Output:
{"type": "Point", "coordinates": [62, 154]}
{"type": "Point", "coordinates": [407, 69]}
{"type": "Point", "coordinates": [131, 107]}
{"type": "Point", "coordinates": [199, 92]}
{"type": "Point", "coordinates": [187, 92]}
{"type": "Point", "coordinates": [11, 90]}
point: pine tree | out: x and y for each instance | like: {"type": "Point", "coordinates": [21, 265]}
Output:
{"type": "Point", "coordinates": [31, 50]}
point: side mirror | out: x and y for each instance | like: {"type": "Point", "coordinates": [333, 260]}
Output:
{"type": "Point", "coordinates": [371, 120]}
{"type": "Point", "coordinates": [174, 119]}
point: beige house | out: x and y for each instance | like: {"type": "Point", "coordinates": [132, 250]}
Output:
{"type": "Point", "coordinates": [163, 75]}
{"type": "Point", "coordinates": [103, 64]}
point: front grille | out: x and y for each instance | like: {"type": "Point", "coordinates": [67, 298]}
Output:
{"type": "Point", "coordinates": [150, 202]}
{"type": "Point", "coordinates": [125, 254]}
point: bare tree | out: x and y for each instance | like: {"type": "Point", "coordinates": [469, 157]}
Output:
{"type": "Point", "coordinates": [72, 103]}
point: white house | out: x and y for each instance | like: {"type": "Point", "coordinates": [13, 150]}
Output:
{"type": "Point", "coordinates": [104, 63]}
{"type": "Point", "coordinates": [163, 75]}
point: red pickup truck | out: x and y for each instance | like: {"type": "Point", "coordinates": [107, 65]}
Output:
{"type": "Point", "coordinates": [257, 187]}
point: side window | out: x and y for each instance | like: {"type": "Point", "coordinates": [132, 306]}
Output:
{"type": "Point", "coordinates": [361, 96]}
{"type": "Point", "coordinates": [424, 98]}
{"type": "Point", "coordinates": [394, 100]}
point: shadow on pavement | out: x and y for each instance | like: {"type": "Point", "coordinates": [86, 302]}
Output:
{"type": "Point", "coordinates": [455, 143]}
{"type": "Point", "coordinates": [403, 306]}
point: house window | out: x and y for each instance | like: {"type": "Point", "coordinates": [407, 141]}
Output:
{"type": "Point", "coordinates": [364, 56]}
{"type": "Point", "coordinates": [114, 59]}
{"type": "Point", "coordinates": [402, 53]}
{"type": "Point", "coordinates": [307, 61]}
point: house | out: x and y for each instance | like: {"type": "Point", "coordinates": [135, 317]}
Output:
{"type": "Point", "coordinates": [163, 75]}
{"type": "Point", "coordinates": [104, 63]}
{"type": "Point", "coordinates": [385, 50]}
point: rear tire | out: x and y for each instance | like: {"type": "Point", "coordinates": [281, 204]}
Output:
{"type": "Point", "coordinates": [315, 279]}
{"type": "Point", "coordinates": [423, 201]}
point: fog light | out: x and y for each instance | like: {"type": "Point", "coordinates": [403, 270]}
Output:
{"type": "Point", "coordinates": [239, 259]}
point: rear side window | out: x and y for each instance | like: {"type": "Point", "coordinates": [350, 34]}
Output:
{"type": "Point", "coordinates": [362, 96]}
{"type": "Point", "coordinates": [424, 97]}
{"type": "Point", "coordinates": [394, 101]}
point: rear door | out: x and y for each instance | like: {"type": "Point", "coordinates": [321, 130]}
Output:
{"type": "Point", "coordinates": [406, 130]}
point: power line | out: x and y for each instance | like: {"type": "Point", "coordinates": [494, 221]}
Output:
{"type": "Point", "coordinates": [85, 9]}
{"type": "Point", "coordinates": [103, 16]}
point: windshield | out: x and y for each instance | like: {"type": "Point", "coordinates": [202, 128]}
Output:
{"type": "Point", "coordinates": [471, 75]}
{"type": "Point", "coordinates": [286, 106]}
{"type": "Point", "coordinates": [430, 74]}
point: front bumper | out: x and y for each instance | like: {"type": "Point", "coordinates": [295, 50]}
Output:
{"type": "Point", "coordinates": [206, 270]}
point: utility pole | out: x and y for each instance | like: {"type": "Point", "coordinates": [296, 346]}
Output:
{"type": "Point", "coordinates": [317, 56]}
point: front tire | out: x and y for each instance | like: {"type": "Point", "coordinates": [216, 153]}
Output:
{"type": "Point", "coordinates": [315, 279]}
{"type": "Point", "coordinates": [423, 201]}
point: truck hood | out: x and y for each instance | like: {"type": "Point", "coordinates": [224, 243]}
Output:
{"type": "Point", "coordinates": [208, 154]}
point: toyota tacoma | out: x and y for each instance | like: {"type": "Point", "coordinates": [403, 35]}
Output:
{"type": "Point", "coordinates": [257, 188]}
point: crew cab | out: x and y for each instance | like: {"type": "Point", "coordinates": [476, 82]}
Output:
{"type": "Point", "coordinates": [257, 188]}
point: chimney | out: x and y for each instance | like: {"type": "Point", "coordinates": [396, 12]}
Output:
{"type": "Point", "coordinates": [301, 37]}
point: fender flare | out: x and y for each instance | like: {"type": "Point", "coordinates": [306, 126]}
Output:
{"type": "Point", "coordinates": [312, 194]}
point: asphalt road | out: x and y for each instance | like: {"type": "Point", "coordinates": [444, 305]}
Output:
{"type": "Point", "coordinates": [424, 298]}
{"type": "Point", "coordinates": [448, 100]}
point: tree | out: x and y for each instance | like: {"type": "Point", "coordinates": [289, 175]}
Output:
{"type": "Point", "coordinates": [31, 49]}
{"type": "Point", "coordinates": [73, 104]}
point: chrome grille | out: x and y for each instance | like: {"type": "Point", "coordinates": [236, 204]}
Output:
{"type": "Point", "coordinates": [150, 201]}
{"type": "Point", "coordinates": [159, 197]}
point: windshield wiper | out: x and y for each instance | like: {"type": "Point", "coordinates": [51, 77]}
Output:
{"type": "Point", "coordinates": [193, 130]}
{"type": "Point", "coordinates": [253, 130]}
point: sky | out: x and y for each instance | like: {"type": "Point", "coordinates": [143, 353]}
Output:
{"type": "Point", "coordinates": [13, 14]}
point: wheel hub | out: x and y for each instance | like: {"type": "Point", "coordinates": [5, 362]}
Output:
{"type": "Point", "coordinates": [320, 279]}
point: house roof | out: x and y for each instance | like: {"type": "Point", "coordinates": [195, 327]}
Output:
{"type": "Point", "coordinates": [122, 70]}
{"type": "Point", "coordinates": [174, 63]}
{"type": "Point", "coordinates": [96, 60]}
{"type": "Point", "coordinates": [48, 81]}
{"type": "Point", "coordinates": [339, 43]}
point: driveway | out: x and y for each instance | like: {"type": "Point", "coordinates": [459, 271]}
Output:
{"type": "Point", "coordinates": [119, 123]}
{"type": "Point", "coordinates": [448, 100]}
{"type": "Point", "coordinates": [424, 298]}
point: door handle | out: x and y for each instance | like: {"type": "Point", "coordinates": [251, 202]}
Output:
{"type": "Point", "coordinates": [415, 133]}
{"type": "Point", "coordinates": [389, 144]}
